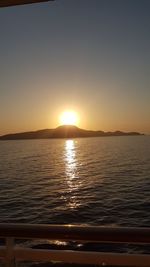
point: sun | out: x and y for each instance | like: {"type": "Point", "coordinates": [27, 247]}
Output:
{"type": "Point", "coordinates": [69, 118]}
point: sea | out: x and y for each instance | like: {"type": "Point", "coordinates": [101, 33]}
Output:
{"type": "Point", "coordinates": [102, 181]}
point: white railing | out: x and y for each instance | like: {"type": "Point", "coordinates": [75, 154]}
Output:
{"type": "Point", "coordinates": [11, 254]}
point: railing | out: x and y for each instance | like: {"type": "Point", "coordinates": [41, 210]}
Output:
{"type": "Point", "coordinates": [11, 254]}
{"type": "Point", "coordinates": [6, 3]}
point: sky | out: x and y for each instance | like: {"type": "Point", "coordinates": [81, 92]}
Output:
{"type": "Point", "coordinates": [89, 56]}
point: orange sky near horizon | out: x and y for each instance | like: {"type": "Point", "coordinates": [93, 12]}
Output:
{"type": "Point", "coordinates": [85, 121]}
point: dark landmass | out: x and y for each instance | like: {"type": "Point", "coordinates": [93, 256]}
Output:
{"type": "Point", "coordinates": [65, 131]}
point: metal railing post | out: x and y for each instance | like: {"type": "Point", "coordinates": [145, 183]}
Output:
{"type": "Point", "coordinates": [10, 258]}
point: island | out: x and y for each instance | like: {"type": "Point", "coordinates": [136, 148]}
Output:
{"type": "Point", "coordinates": [64, 131]}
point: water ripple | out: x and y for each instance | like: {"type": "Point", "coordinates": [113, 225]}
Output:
{"type": "Point", "coordinates": [100, 181]}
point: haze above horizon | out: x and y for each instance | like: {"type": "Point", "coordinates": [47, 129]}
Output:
{"type": "Point", "coordinates": [90, 57]}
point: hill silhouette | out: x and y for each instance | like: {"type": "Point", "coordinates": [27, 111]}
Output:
{"type": "Point", "coordinates": [64, 131]}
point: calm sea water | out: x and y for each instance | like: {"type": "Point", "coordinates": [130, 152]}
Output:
{"type": "Point", "coordinates": [95, 181]}
{"type": "Point", "coordinates": [98, 181]}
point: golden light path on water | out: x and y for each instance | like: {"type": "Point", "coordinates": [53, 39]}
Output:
{"type": "Point", "coordinates": [72, 177]}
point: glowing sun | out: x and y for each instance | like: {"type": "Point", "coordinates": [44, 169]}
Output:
{"type": "Point", "coordinates": [69, 118]}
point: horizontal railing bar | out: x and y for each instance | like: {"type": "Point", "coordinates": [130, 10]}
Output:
{"type": "Point", "coordinates": [79, 233]}
{"type": "Point", "coordinates": [78, 257]}
{"type": "Point", "coordinates": [6, 3]}
{"type": "Point", "coordinates": [81, 257]}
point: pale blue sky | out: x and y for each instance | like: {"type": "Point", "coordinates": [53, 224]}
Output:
{"type": "Point", "coordinates": [90, 56]}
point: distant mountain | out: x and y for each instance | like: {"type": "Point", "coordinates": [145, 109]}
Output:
{"type": "Point", "coordinates": [65, 131]}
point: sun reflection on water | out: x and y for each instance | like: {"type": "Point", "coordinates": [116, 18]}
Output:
{"type": "Point", "coordinates": [70, 159]}
{"type": "Point", "coordinates": [71, 173]}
